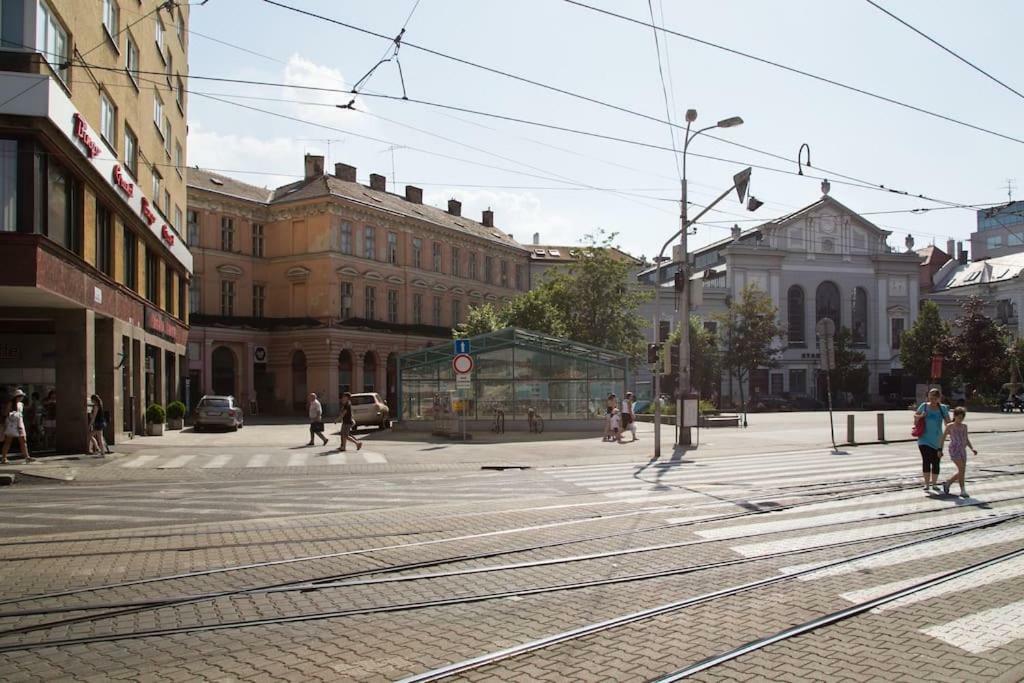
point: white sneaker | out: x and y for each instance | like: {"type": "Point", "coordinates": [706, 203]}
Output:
{"type": "Point", "coordinates": [964, 494]}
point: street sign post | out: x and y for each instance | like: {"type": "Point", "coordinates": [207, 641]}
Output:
{"type": "Point", "coordinates": [461, 346]}
{"type": "Point", "coordinates": [463, 381]}
{"type": "Point", "coordinates": [462, 364]}
{"type": "Point", "coordinates": [826, 329]}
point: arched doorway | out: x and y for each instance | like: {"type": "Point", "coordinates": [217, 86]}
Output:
{"type": "Point", "coordinates": [299, 381]}
{"type": "Point", "coordinates": [369, 372]}
{"type": "Point", "coordinates": [222, 371]}
{"type": "Point", "coordinates": [344, 372]}
{"type": "Point", "coordinates": [391, 391]}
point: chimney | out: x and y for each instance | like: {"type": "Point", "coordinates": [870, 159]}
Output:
{"type": "Point", "coordinates": [536, 238]}
{"type": "Point", "coordinates": [345, 172]}
{"type": "Point", "coordinates": [961, 253]}
{"type": "Point", "coordinates": [314, 166]}
{"type": "Point", "coordinates": [736, 232]}
{"type": "Point", "coordinates": [378, 182]}
{"type": "Point", "coordinates": [950, 248]}
{"type": "Point", "coordinates": [488, 219]}
{"type": "Point", "coordinates": [414, 194]}
{"type": "Point", "coordinates": [454, 207]}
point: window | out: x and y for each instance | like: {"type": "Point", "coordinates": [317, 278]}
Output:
{"type": "Point", "coordinates": [177, 219]}
{"type": "Point", "coordinates": [111, 18]}
{"type": "Point", "coordinates": [436, 250]}
{"type": "Point", "coordinates": [104, 245]}
{"type": "Point", "coordinates": [795, 315]}
{"type": "Point", "coordinates": [896, 332]}
{"type": "Point", "coordinates": [257, 239]}
{"type": "Point", "coordinates": [798, 381]}
{"type": "Point", "coordinates": [168, 67]}
{"type": "Point", "coordinates": [180, 26]}
{"type": "Point", "coordinates": [1014, 239]}
{"type": "Point", "coordinates": [227, 233]}
{"type": "Point", "coordinates": [392, 247]}
{"type": "Point", "coordinates": [994, 241]}
{"type": "Point", "coordinates": [131, 151]}
{"type": "Point", "coordinates": [159, 35]}
{"type": "Point", "coordinates": [167, 202]}
{"type": "Point", "coordinates": [131, 259]}
{"type": "Point", "coordinates": [860, 316]}
{"type": "Point", "coordinates": [455, 261]}
{"type": "Point", "coordinates": [776, 384]}
{"type": "Point", "coordinates": [158, 112]}
{"type": "Point", "coordinates": [167, 136]}
{"type": "Point", "coordinates": [456, 312]}
{"type": "Point", "coordinates": [346, 300]}
{"type": "Point", "coordinates": [63, 206]}
{"type": "Point", "coordinates": [108, 120]}
{"type": "Point", "coordinates": [227, 297]}
{"type": "Point", "coordinates": [52, 40]}
{"type": "Point", "coordinates": [392, 305]}
{"type": "Point", "coordinates": [193, 229]}
{"type": "Point", "coordinates": [417, 309]}
{"type": "Point", "coordinates": [194, 295]}
{"type": "Point", "coordinates": [472, 274]}
{"type": "Point", "coordinates": [519, 276]}
{"type": "Point", "coordinates": [157, 183]}
{"type": "Point", "coordinates": [346, 238]}
{"type": "Point", "coordinates": [131, 59]}
{"type": "Point", "coordinates": [504, 273]}
{"type": "Point", "coordinates": [369, 243]}
{"type": "Point", "coordinates": [181, 298]}
{"type": "Point", "coordinates": [417, 252]}
{"type": "Point", "coordinates": [8, 185]}
{"type": "Point", "coordinates": [437, 311]}
{"type": "Point", "coordinates": [259, 296]}
{"type": "Point", "coordinates": [826, 302]}
{"type": "Point", "coordinates": [179, 158]}
{"type": "Point", "coordinates": [168, 289]}
{"type": "Point", "coordinates": [488, 269]}
{"type": "Point", "coordinates": [370, 304]}
{"type": "Point", "coordinates": [179, 93]}
{"type": "Point", "coordinates": [152, 277]}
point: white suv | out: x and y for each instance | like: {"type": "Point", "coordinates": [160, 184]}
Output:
{"type": "Point", "coordinates": [370, 409]}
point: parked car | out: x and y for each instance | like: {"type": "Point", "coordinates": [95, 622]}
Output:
{"type": "Point", "coordinates": [218, 411]}
{"type": "Point", "coordinates": [370, 409]}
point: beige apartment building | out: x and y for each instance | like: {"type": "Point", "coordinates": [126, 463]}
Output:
{"type": "Point", "coordinates": [93, 291]}
{"type": "Point", "coordinates": [319, 285]}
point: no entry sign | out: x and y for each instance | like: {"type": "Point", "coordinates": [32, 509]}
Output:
{"type": "Point", "coordinates": [462, 363]}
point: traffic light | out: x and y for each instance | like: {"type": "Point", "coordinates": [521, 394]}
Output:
{"type": "Point", "coordinates": [653, 350]}
{"type": "Point", "coordinates": [680, 282]}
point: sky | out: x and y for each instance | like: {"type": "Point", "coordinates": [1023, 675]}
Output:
{"type": "Point", "coordinates": [565, 185]}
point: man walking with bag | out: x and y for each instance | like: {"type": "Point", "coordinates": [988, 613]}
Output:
{"type": "Point", "coordinates": [316, 420]}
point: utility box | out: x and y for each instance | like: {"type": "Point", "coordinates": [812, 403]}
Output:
{"type": "Point", "coordinates": [691, 412]}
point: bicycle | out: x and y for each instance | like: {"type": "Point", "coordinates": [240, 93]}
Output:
{"type": "Point", "coordinates": [498, 426]}
{"type": "Point", "coordinates": [535, 421]}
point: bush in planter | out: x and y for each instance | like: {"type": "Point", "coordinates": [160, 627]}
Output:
{"type": "Point", "coordinates": [155, 414]}
{"type": "Point", "coordinates": [175, 410]}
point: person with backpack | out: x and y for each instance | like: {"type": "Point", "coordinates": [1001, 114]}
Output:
{"type": "Point", "coordinates": [14, 427]}
{"type": "Point", "coordinates": [930, 420]}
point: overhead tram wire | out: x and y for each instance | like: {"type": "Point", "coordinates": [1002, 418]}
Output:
{"type": "Point", "coordinates": [664, 93]}
{"type": "Point", "coordinates": [942, 47]}
{"type": "Point", "coordinates": [794, 70]}
{"type": "Point", "coordinates": [626, 110]}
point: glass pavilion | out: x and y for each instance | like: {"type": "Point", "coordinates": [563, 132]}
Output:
{"type": "Point", "coordinates": [514, 370]}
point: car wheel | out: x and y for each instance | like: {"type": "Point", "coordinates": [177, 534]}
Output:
{"type": "Point", "coordinates": [234, 428]}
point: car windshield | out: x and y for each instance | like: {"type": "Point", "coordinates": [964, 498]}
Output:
{"type": "Point", "coordinates": [215, 403]}
{"type": "Point", "coordinates": [362, 400]}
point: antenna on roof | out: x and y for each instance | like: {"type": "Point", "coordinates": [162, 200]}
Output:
{"type": "Point", "coordinates": [1011, 185]}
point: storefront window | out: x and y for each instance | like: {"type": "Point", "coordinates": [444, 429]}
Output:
{"type": "Point", "coordinates": [8, 185]}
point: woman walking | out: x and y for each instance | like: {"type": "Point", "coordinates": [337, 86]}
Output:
{"type": "Point", "coordinates": [347, 423]}
{"type": "Point", "coordinates": [97, 423]}
{"type": "Point", "coordinates": [14, 428]}
{"type": "Point", "coordinates": [935, 415]}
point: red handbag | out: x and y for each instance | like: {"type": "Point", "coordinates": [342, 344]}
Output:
{"type": "Point", "coordinates": [918, 429]}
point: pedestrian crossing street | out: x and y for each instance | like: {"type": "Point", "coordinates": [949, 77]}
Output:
{"type": "Point", "coordinates": [717, 484]}
{"type": "Point", "coordinates": [213, 460]}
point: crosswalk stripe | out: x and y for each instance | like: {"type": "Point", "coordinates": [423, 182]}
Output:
{"type": "Point", "coordinates": [337, 459]}
{"type": "Point", "coordinates": [374, 458]}
{"type": "Point", "coordinates": [177, 462]}
{"type": "Point", "coordinates": [982, 631]}
{"type": "Point", "coordinates": [139, 461]}
{"type": "Point", "coordinates": [296, 460]}
{"type": "Point", "coordinates": [217, 462]}
{"type": "Point", "coordinates": [258, 460]}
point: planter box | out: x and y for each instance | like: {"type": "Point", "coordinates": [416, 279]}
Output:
{"type": "Point", "coordinates": [175, 423]}
{"type": "Point", "coordinates": [156, 429]}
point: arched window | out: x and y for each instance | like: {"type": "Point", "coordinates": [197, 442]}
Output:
{"type": "Point", "coordinates": [860, 316]}
{"type": "Point", "coordinates": [826, 302]}
{"type": "Point", "coordinates": [795, 311]}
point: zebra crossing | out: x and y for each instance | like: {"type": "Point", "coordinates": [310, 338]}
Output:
{"type": "Point", "coordinates": [221, 460]}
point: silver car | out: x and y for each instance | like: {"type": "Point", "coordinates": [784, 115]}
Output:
{"type": "Point", "coordinates": [218, 411]}
{"type": "Point", "coordinates": [370, 409]}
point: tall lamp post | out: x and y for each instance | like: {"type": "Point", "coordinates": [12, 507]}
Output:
{"type": "Point", "coordinates": [740, 182]}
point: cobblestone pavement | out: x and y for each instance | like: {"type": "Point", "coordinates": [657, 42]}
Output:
{"type": "Point", "coordinates": [313, 573]}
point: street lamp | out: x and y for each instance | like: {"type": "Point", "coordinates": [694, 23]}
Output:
{"type": "Point", "coordinates": [740, 182]}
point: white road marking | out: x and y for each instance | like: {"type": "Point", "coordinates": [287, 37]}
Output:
{"type": "Point", "coordinates": [177, 462]}
{"type": "Point", "coordinates": [374, 458]}
{"type": "Point", "coordinates": [258, 460]}
{"type": "Point", "coordinates": [139, 461]}
{"type": "Point", "coordinates": [337, 459]}
{"type": "Point", "coordinates": [296, 460]}
{"type": "Point", "coordinates": [982, 631]}
{"type": "Point", "coordinates": [217, 462]}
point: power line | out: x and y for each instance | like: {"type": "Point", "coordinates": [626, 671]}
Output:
{"type": "Point", "coordinates": [664, 92]}
{"type": "Point", "coordinates": [800, 72]}
{"type": "Point", "coordinates": [931, 40]}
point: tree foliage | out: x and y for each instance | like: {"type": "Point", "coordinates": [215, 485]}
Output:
{"type": "Point", "coordinates": [926, 337]}
{"type": "Point", "coordinates": [851, 372]}
{"type": "Point", "coordinates": [748, 332]}
{"type": "Point", "coordinates": [705, 358]}
{"type": "Point", "coordinates": [977, 348]}
{"type": "Point", "coordinates": [593, 301]}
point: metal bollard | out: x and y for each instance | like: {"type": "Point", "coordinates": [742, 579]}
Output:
{"type": "Point", "coordinates": [881, 427]}
{"type": "Point", "coordinates": [851, 438]}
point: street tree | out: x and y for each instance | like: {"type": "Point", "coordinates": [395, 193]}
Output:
{"type": "Point", "coordinates": [927, 337]}
{"type": "Point", "coordinates": [705, 358]}
{"type": "Point", "coordinates": [594, 300]}
{"type": "Point", "coordinates": [977, 348]}
{"type": "Point", "coordinates": [851, 371]}
{"type": "Point", "coordinates": [749, 333]}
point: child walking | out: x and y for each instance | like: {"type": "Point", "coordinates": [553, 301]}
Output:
{"type": "Point", "coordinates": [959, 442]}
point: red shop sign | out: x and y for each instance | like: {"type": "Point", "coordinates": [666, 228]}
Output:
{"type": "Point", "coordinates": [158, 324]}
{"type": "Point", "coordinates": [92, 150]}
{"type": "Point", "coordinates": [147, 212]}
{"type": "Point", "coordinates": [167, 236]}
{"type": "Point", "coordinates": [122, 183]}
{"type": "Point", "coordinates": [936, 367]}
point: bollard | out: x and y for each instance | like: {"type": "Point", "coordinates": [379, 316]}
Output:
{"type": "Point", "coordinates": [850, 436]}
{"type": "Point", "coordinates": [881, 427]}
